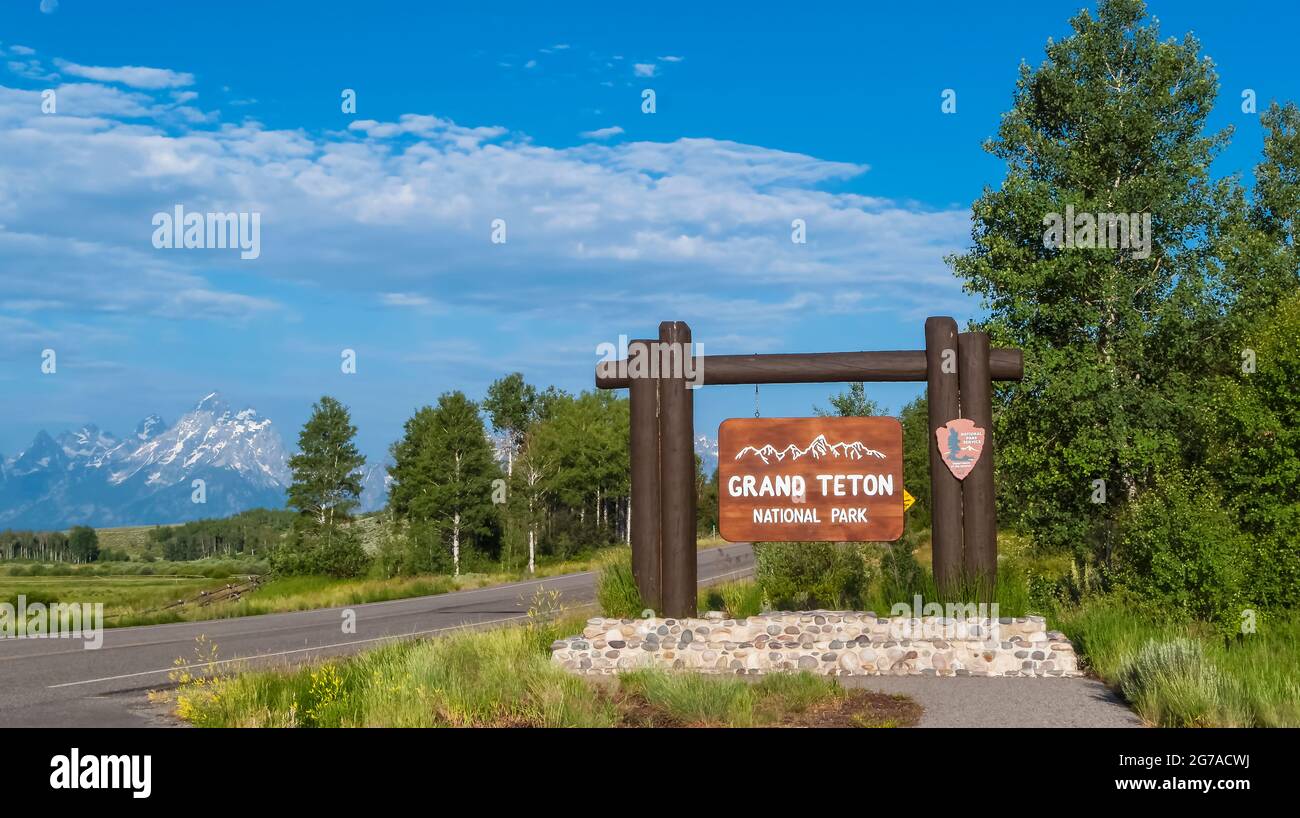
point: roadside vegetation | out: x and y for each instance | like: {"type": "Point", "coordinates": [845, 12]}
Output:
{"type": "Point", "coordinates": [504, 678]}
{"type": "Point", "coordinates": [162, 592]}
{"type": "Point", "coordinates": [1182, 673]}
{"type": "Point", "coordinates": [1173, 668]}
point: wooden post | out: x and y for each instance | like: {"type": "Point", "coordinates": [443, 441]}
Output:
{"type": "Point", "coordinates": [677, 473]}
{"type": "Point", "coordinates": [945, 489]}
{"type": "Point", "coordinates": [979, 509]}
{"type": "Point", "coordinates": [643, 395]}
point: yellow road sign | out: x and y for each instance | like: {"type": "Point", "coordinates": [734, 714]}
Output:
{"type": "Point", "coordinates": [907, 500]}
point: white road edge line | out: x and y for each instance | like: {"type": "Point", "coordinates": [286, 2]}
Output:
{"type": "Point", "coordinates": [461, 625]}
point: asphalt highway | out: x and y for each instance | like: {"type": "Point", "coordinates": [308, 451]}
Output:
{"type": "Point", "coordinates": [57, 682]}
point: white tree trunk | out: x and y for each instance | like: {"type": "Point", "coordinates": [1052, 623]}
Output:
{"type": "Point", "coordinates": [532, 567]}
{"type": "Point", "coordinates": [455, 543]}
{"type": "Point", "coordinates": [627, 526]}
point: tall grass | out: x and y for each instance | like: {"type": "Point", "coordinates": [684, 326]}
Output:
{"type": "Point", "coordinates": [496, 678]}
{"type": "Point", "coordinates": [738, 599]}
{"type": "Point", "coordinates": [1010, 592]}
{"type": "Point", "coordinates": [1182, 673]}
{"type": "Point", "coordinates": [500, 677]}
{"type": "Point", "coordinates": [718, 701]}
{"type": "Point", "coordinates": [616, 590]}
{"type": "Point", "coordinates": [1173, 683]}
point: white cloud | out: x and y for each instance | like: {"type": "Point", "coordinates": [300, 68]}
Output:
{"type": "Point", "coordinates": [30, 69]}
{"type": "Point", "coordinates": [671, 59]}
{"type": "Point", "coordinates": [132, 75]}
{"type": "Point", "coordinates": [408, 300]}
{"type": "Point", "coordinates": [428, 127]}
{"type": "Point", "coordinates": [399, 213]}
{"type": "Point", "coordinates": [645, 69]}
{"type": "Point", "coordinates": [22, 50]}
{"type": "Point", "coordinates": [602, 133]}
{"type": "Point", "coordinates": [411, 301]}
{"type": "Point", "coordinates": [530, 64]}
{"type": "Point", "coordinates": [49, 6]}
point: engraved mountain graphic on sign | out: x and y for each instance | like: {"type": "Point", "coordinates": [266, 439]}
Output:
{"type": "Point", "coordinates": [817, 449]}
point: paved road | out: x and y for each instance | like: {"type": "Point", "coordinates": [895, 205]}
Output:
{"type": "Point", "coordinates": [56, 682]}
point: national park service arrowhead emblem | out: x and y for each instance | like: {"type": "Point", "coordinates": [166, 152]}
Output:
{"type": "Point", "coordinates": [960, 445]}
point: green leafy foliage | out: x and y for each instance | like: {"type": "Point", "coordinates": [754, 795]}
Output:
{"type": "Point", "coordinates": [83, 542]}
{"type": "Point", "coordinates": [511, 404]}
{"type": "Point", "coordinates": [583, 443]}
{"type": "Point", "coordinates": [916, 461]}
{"type": "Point", "coordinates": [808, 575]}
{"type": "Point", "coordinates": [1111, 122]}
{"type": "Point", "coordinates": [1256, 458]}
{"type": "Point", "coordinates": [1133, 391]}
{"type": "Point", "coordinates": [442, 489]}
{"type": "Point", "coordinates": [850, 404]}
{"type": "Point", "coordinates": [706, 500]}
{"type": "Point", "coordinates": [35, 545]}
{"type": "Point", "coordinates": [1179, 547]}
{"type": "Point", "coordinates": [252, 532]}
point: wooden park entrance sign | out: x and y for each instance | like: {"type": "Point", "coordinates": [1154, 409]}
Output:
{"type": "Point", "coordinates": [808, 479]}
{"type": "Point", "coordinates": [958, 369]}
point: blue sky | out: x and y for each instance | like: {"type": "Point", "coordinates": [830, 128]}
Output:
{"type": "Point", "coordinates": [376, 226]}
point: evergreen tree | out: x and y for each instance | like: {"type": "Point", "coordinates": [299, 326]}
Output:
{"type": "Point", "coordinates": [406, 483]}
{"type": "Point", "coordinates": [326, 487]}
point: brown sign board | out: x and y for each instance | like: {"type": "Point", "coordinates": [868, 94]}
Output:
{"type": "Point", "coordinates": [808, 479]}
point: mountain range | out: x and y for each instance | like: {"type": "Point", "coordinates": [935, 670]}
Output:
{"type": "Point", "coordinates": [91, 477]}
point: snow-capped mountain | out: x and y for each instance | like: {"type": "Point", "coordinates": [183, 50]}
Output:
{"type": "Point", "coordinates": [707, 448]}
{"type": "Point", "coordinates": [88, 476]}
{"type": "Point", "coordinates": [374, 485]}
{"type": "Point", "coordinates": [209, 436]}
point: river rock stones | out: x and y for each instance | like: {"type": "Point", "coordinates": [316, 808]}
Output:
{"type": "Point", "coordinates": [831, 643]}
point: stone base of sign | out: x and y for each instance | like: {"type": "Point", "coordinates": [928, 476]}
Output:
{"type": "Point", "coordinates": [830, 643]}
